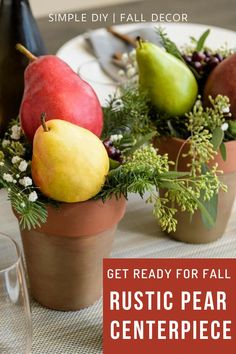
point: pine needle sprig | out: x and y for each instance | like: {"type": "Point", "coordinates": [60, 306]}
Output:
{"type": "Point", "coordinates": [128, 114]}
{"type": "Point", "coordinates": [31, 214]}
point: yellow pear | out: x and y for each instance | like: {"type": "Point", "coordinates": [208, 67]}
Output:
{"type": "Point", "coordinates": [69, 163]}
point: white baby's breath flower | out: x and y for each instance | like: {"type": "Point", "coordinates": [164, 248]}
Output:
{"type": "Point", "coordinates": [15, 159]}
{"type": "Point", "coordinates": [132, 54]}
{"type": "Point", "coordinates": [115, 137]}
{"type": "Point", "coordinates": [198, 103]}
{"type": "Point", "coordinates": [7, 177]}
{"type": "Point", "coordinates": [117, 105]}
{"type": "Point", "coordinates": [5, 143]}
{"type": "Point", "coordinates": [121, 73]}
{"type": "Point", "coordinates": [16, 132]}
{"type": "Point", "coordinates": [33, 196]}
{"type": "Point", "coordinates": [225, 109]}
{"type": "Point", "coordinates": [25, 181]}
{"type": "Point", "coordinates": [224, 126]}
{"type": "Point", "coordinates": [131, 72]}
{"type": "Point", "coordinates": [152, 149]}
{"type": "Point", "coordinates": [23, 205]}
{"type": "Point", "coordinates": [125, 58]}
{"type": "Point", "coordinates": [23, 166]}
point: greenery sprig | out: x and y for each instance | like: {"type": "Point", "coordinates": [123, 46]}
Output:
{"type": "Point", "coordinates": [146, 172]}
{"type": "Point", "coordinates": [127, 113]}
{"type": "Point", "coordinates": [15, 177]}
{"type": "Point", "coordinates": [206, 127]}
{"type": "Point", "coordinates": [168, 44]}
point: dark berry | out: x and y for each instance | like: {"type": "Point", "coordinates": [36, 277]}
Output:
{"type": "Point", "coordinates": [198, 56]}
{"type": "Point", "coordinates": [107, 143]}
{"type": "Point", "coordinates": [207, 53]}
{"type": "Point", "coordinates": [117, 156]}
{"type": "Point", "coordinates": [218, 56]}
{"type": "Point", "coordinates": [213, 62]}
{"type": "Point", "coordinates": [187, 58]}
{"type": "Point", "coordinates": [112, 151]}
{"type": "Point", "coordinates": [197, 65]}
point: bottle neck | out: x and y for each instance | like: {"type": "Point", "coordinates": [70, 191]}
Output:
{"type": "Point", "coordinates": [18, 23]}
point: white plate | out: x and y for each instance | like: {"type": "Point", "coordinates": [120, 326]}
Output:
{"type": "Point", "coordinates": [76, 52]}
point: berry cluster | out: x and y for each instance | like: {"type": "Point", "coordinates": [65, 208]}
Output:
{"type": "Point", "coordinates": [112, 151]}
{"type": "Point", "coordinates": [203, 62]}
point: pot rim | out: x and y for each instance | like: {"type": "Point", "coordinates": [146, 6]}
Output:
{"type": "Point", "coordinates": [180, 140]}
{"type": "Point", "coordinates": [82, 218]}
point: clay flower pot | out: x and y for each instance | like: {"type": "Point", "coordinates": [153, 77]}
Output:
{"type": "Point", "coordinates": [193, 231]}
{"type": "Point", "coordinates": [64, 256]}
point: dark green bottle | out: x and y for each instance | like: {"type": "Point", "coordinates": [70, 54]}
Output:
{"type": "Point", "coordinates": [17, 25]}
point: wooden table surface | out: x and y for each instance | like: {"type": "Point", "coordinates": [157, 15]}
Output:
{"type": "Point", "coordinates": [220, 13]}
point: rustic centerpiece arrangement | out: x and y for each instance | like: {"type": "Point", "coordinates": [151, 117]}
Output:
{"type": "Point", "coordinates": [68, 167]}
{"type": "Point", "coordinates": [190, 98]}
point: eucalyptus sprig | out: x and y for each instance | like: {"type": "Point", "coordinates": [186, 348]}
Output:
{"type": "Point", "coordinates": [206, 127]}
{"type": "Point", "coordinates": [145, 172]}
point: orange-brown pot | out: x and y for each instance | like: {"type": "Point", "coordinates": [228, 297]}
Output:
{"type": "Point", "coordinates": [64, 256]}
{"type": "Point", "coordinates": [192, 229]}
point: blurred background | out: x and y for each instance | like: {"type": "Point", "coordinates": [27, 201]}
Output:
{"type": "Point", "coordinates": [43, 8]}
{"type": "Point", "coordinates": [220, 13]}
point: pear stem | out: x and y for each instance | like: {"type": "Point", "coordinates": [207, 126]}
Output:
{"type": "Point", "coordinates": [26, 52]}
{"type": "Point", "coordinates": [140, 41]}
{"type": "Point", "coordinates": [43, 122]}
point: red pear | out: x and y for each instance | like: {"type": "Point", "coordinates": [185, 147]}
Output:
{"type": "Point", "coordinates": [222, 81]}
{"type": "Point", "coordinates": [51, 86]}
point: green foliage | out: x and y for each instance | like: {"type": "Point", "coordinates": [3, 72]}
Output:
{"type": "Point", "coordinates": [223, 151]}
{"type": "Point", "coordinates": [198, 45]}
{"type": "Point", "coordinates": [147, 172]}
{"type": "Point", "coordinates": [31, 214]}
{"type": "Point", "coordinates": [172, 49]}
{"type": "Point", "coordinates": [15, 177]}
{"type": "Point", "coordinates": [210, 117]}
{"type": "Point", "coordinates": [130, 117]}
{"type": "Point", "coordinates": [205, 128]}
{"type": "Point", "coordinates": [230, 134]}
{"type": "Point", "coordinates": [201, 41]}
{"type": "Point", "coordinates": [169, 46]}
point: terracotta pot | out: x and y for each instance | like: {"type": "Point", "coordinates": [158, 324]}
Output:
{"type": "Point", "coordinates": [64, 256]}
{"type": "Point", "coordinates": [192, 230]}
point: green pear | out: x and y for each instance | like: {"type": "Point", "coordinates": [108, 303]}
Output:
{"type": "Point", "coordinates": [170, 84]}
